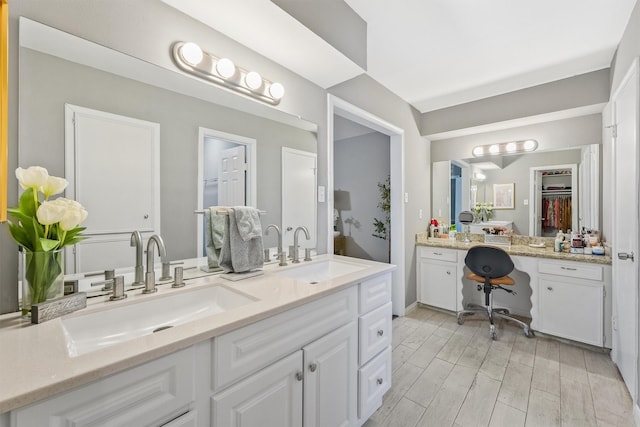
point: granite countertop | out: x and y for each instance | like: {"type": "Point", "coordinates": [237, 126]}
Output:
{"type": "Point", "coordinates": [520, 246]}
{"type": "Point", "coordinates": [35, 364]}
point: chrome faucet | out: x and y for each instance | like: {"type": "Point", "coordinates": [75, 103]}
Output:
{"type": "Point", "coordinates": [282, 256]}
{"type": "Point", "coordinates": [150, 276]}
{"type": "Point", "coordinates": [136, 240]}
{"type": "Point", "coordinates": [295, 242]}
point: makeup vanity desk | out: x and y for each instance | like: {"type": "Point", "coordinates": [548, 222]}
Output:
{"type": "Point", "coordinates": [565, 295]}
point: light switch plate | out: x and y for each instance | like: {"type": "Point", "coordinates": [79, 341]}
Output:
{"type": "Point", "coordinates": [321, 194]}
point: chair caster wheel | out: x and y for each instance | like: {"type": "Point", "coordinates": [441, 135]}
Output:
{"type": "Point", "coordinates": [528, 333]}
{"type": "Point", "coordinates": [459, 319]}
{"type": "Point", "coordinates": [492, 332]}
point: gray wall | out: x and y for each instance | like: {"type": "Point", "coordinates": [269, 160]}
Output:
{"type": "Point", "coordinates": [578, 91]}
{"type": "Point", "coordinates": [47, 83]}
{"type": "Point", "coordinates": [628, 49]}
{"type": "Point", "coordinates": [371, 152]}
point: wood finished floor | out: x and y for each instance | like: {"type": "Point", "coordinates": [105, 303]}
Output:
{"type": "Point", "coordinates": [450, 375]}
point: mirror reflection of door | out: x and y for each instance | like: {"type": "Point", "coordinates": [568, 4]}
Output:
{"type": "Point", "coordinates": [299, 179]}
{"type": "Point", "coordinates": [231, 175]}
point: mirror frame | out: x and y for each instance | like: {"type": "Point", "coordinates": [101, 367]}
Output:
{"type": "Point", "coordinates": [4, 105]}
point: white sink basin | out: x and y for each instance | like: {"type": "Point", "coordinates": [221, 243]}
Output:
{"type": "Point", "coordinates": [95, 330]}
{"type": "Point", "coordinates": [321, 271]}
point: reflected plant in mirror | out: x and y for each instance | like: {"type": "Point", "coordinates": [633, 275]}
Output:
{"type": "Point", "coordinates": [483, 211]}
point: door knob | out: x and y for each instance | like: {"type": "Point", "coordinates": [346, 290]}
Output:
{"type": "Point", "coordinates": [625, 256]}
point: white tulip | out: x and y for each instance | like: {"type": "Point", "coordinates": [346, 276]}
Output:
{"type": "Point", "coordinates": [54, 185]}
{"type": "Point", "coordinates": [50, 213]}
{"type": "Point", "coordinates": [32, 177]}
{"type": "Point", "coordinates": [72, 218]}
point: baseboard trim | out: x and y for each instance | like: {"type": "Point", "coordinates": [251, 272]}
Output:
{"type": "Point", "coordinates": [408, 309]}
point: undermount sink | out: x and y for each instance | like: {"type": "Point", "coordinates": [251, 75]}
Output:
{"type": "Point", "coordinates": [321, 271]}
{"type": "Point", "coordinates": [85, 333]}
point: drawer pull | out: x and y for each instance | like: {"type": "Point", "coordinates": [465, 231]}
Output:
{"type": "Point", "coordinates": [549, 288]}
{"type": "Point", "coordinates": [438, 253]}
{"type": "Point", "coordinates": [448, 273]}
{"type": "Point", "coordinates": [379, 381]}
{"type": "Point", "coordinates": [313, 367]}
{"type": "Point", "coordinates": [299, 376]}
{"type": "Point", "coordinates": [568, 268]}
{"type": "Point", "coordinates": [380, 332]}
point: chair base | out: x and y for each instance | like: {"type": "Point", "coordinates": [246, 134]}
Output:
{"type": "Point", "coordinates": [501, 313]}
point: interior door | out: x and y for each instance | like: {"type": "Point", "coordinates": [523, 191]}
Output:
{"type": "Point", "coordinates": [625, 229]}
{"type": "Point", "coordinates": [441, 190]}
{"type": "Point", "coordinates": [232, 168]}
{"type": "Point", "coordinates": [298, 195]}
{"type": "Point", "coordinates": [97, 172]}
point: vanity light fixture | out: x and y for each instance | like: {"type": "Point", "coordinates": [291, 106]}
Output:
{"type": "Point", "coordinates": [513, 147]}
{"type": "Point", "coordinates": [222, 71]}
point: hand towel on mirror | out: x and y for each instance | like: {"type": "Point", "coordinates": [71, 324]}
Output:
{"type": "Point", "coordinates": [214, 233]}
{"type": "Point", "coordinates": [237, 255]}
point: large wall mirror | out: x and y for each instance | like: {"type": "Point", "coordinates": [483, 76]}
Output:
{"type": "Point", "coordinates": [4, 96]}
{"type": "Point", "coordinates": [58, 69]}
{"type": "Point", "coordinates": [461, 184]}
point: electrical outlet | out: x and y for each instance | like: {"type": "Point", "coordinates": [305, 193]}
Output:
{"type": "Point", "coordinates": [420, 214]}
{"type": "Point", "coordinates": [321, 194]}
{"type": "Point", "coordinates": [526, 202]}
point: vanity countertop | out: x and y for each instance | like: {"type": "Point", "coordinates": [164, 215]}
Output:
{"type": "Point", "coordinates": [34, 363]}
{"type": "Point", "coordinates": [521, 248]}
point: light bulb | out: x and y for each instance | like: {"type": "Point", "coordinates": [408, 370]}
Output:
{"type": "Point", "coordinates": [511, 147]}
{"type": "Point", "coordinates": [530, 144]}
{"type": "Point", "coordinates": [276, 90]}
{"type": "Point", "coordinates": [253, 80]}
{"type": "Point", "coordinates": [191, 53]}
{"type": "Point", "coordinates": [478, 151]}
{"type": "Point", "coordinates": [225, 67]}
{"type": "Point", "coordinates": [494, 149]}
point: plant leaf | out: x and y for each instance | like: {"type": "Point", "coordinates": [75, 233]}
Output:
{"type": "Point", "coordinates": [49, 244]}
{"type": "Point", "coordinates": [27, 203]}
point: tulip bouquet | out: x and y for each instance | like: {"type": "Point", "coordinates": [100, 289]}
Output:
{"type": "Point", "coordinates": [42, 229]}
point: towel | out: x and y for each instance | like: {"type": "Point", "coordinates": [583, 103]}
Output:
{"type": "Point", "coordinates": [238, 255]}
{"type": "Point", "coordinates": [214, 234]}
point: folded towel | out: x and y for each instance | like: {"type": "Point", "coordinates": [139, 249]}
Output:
{"type": "Point", "coordinates": [214, 234]}
{"type": "Point", "coordinates": [236, 254]}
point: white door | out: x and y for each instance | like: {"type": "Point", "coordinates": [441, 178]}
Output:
{"type": "Point", "coordinates": [232, 168]}
{"type": "Point", "coordinates": [270, 397]}
{"type": "Point", "coordinates": [330, 379]}
{"type": "Point", "coordinates": [120, 192]}
{"type": "Point", "coordinates": [441, 190]}
{"type": "Point", "coordinates": [298, 195]}
{"type": "Point", "coordinates": [625, 228]}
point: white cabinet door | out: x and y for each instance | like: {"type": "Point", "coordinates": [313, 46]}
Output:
{"type": "Point", "coordinates": [438, 281]}
{"type": "Point", "coordinates": [571, 309]}
{"type": "Point", "coordinates": [330, 379]}
{"type": "Point", "coordinates": [270, 397]}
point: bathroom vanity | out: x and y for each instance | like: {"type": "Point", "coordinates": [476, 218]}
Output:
{"type": "Point", "coordinates": [311, 345]}
{"type": "Point", "coordinates": [565, 295]}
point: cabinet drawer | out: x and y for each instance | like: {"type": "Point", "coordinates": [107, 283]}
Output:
{"type": "Point", "coordinates": [375, 332]}
{"type": "Point", "coordinates": [450, 255]}
{"type": "Point", "coordinates": [374, 379]}
{"type": "Point", "coordinates": [142, 396]}
{"type": "Point", "coordinates": [248, 349]}
{"type": "Point", "coordinates": [374, 292]}
{"type": "Point", "coordinates": [572, 269]}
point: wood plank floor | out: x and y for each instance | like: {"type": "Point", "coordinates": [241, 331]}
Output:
{"type": "Point", "coordinates": [445, 374]}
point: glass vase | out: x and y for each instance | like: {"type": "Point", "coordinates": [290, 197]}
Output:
{"type": "Point", "coordinates": [42, 275]}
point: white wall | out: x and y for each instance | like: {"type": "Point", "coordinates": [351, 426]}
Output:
{"type": "Point", "coordinates": [359, 164]}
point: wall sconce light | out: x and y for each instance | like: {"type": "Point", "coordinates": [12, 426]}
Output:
{"type": "Point", "coordinates": [222, 71]}
{"type": "Point", "coordinates": [513, 147]}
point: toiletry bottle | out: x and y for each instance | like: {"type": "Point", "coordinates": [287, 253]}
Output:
{"type": "Point", "coordinates": [557, 247]}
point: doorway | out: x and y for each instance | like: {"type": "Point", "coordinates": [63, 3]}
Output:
{"type": "Point", "coordinates": [339, 107]}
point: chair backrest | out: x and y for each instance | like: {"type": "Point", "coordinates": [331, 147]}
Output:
{"type": "Point", "coordinates": [488, 261]}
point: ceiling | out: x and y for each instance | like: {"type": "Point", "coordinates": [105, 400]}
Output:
{"type": "Point", "coordinates": [436, 53]}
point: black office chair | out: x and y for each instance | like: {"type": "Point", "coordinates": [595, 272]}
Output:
{"type": "Point", "coordinates": [490, 266]}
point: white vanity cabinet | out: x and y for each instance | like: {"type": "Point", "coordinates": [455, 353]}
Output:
{"type": "Point", "coordinates": [437, 276]}
{"type": "Point", "coordinates": [574, 301]}
{"type": "Point", "coordinates": [152, 394]}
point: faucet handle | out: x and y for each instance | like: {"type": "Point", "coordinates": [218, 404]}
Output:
{"type": "Point", "coordinates": [166, 273]}
{"type": "Point", "coordinates": [118, 289]}
{"type": "Point", "coordinates": [307, 254]}
{"type": "Point", "coordinates": [178, 273]}
{"type": "Point", "coordinates": [283, 259]}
